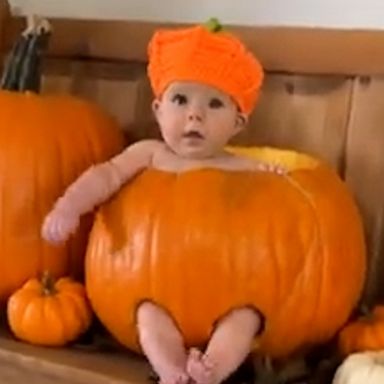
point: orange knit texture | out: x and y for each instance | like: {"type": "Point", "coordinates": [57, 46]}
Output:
{"type": "Point", "coordinates": [199, 55]}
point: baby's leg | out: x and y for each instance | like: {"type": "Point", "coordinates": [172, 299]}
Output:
{"type": "Point", "coordinates": [228, 347]}
{"type": "Point", "coordinates": [162, 344]}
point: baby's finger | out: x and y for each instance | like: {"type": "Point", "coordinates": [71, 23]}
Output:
{"type": "Point", "coordinates": [263, 167]}
{"type": "Point", "coordinates": [280, 170]}
{"type": "Point", "coordinates": [51, 231]}
{"type": "Point", "coordinates": [46, 230]}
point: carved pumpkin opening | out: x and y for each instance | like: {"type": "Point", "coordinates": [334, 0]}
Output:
{"type": "Point", "coordinates": [289, 159]}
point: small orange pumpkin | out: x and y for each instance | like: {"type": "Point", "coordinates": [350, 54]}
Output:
{"type": "Point", "coordinates": [204, 241]}
{"type": "Point", "coordinates": [364, 334]}
{"type": "Point", "coordinates": [48, 313]}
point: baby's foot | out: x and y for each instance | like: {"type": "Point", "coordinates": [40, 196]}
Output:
{"type": "Point", "coordinates": [176, 376]}
{"type": "Point", "coordinates": [200, 368]}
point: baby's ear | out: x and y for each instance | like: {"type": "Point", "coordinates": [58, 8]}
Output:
{"type": "Point", "coordinates": [241, 121]}
{"type": "Point", "coordinates": [155, 106]}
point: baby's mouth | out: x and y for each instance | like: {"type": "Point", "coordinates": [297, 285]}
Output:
{"type": "Point", "coordinates": [193, 135]}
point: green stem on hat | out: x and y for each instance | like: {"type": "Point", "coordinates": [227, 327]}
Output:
{"type": "Point", "coordinates": [213, 25]}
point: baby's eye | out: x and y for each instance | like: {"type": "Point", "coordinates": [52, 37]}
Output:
{"type": "Point", "coordinates": [216, 103]}
{"type": "Point", "coordinates": [179, 99]}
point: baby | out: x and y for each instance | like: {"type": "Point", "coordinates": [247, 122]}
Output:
{"type": "Point", "coordinates": [206, 84]}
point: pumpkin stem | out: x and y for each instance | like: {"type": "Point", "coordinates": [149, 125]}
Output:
{"type": "Point", "coordinates": [13, 62]}
{"type": "Point", "coordinates": [48, 283]}
{"type": "Point", "coordinates": [23, 65]}
{"type": "Point", "coordinates": [213, 25]}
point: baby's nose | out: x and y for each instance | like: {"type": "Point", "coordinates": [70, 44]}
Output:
{"type": "Point", "coordinates": [195, 113]}
{"type": "Point", "coordinates": [194, 117]}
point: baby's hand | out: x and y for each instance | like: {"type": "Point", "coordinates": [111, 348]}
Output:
{"type": "Point", "coordinates": [59, 225]}
{"type": "Point", "coordinates": [272, 167]}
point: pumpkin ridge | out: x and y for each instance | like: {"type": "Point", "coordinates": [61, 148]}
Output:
{"type": "Point", "coordinates": [316, 241]}
{"type": "Point", "coordinates": [30, 313]}
{"type": "Point", "coordinates": [70, 321]}
{"type": "Point", "coordinates": [67, 314]}
{"type": "Point", "coordinates": [319, 239]}
{"type": "Point", "coordinates": [77, 306]}
{"type": "Point", "coordinates": [54, 307]}
{"type": "Point", "coordinates": [38, 211]}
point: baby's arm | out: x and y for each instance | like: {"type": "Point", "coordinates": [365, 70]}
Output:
{"type": "Point", "coordinates": [96, 185]}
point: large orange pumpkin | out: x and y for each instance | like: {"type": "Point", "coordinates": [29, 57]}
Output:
{"type": "Point", "coordinates": [204, 241]}
{"type": "Point", "coordinates": [46, 141]}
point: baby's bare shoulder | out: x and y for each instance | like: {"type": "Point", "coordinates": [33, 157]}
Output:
{"type": "Point", "coordinates": [138, 155]}
{"type": "Point", "coordinates": [149, 145]}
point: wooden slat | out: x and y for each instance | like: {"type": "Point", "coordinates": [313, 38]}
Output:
{"type": "Point", "coordinates": [4, 17]}
{"type": "Point", "coordinates": [281, 49]}
{"type": "Point", "coordinates": [120, 88]}
{"type": "Point", "coordinates": [303, 113]}
{"type": "Point", "coordinates": [365, 173]}
{"type": "Point", "coordinates": [21, 363]}
{"type": "Point", "coordinates": [307, 114]}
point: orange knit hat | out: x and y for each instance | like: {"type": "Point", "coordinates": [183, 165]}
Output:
{"type": "Point", "coordinates": [205, 55]}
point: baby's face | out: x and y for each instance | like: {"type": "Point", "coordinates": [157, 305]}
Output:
{"type": "Point", "coordinates": [196, 120]}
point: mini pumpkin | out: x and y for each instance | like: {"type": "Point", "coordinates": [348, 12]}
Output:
{"type": "Point", "coordinates": [49, 313]}
{"type": "Point", "coordinates": [364, 334]}
{"type": "Point", "coordinates": [204, 241]}
{"type": "Point", "coordinates": [46, 142]}
{"type": "Point", "coordinates": [361, 368]}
